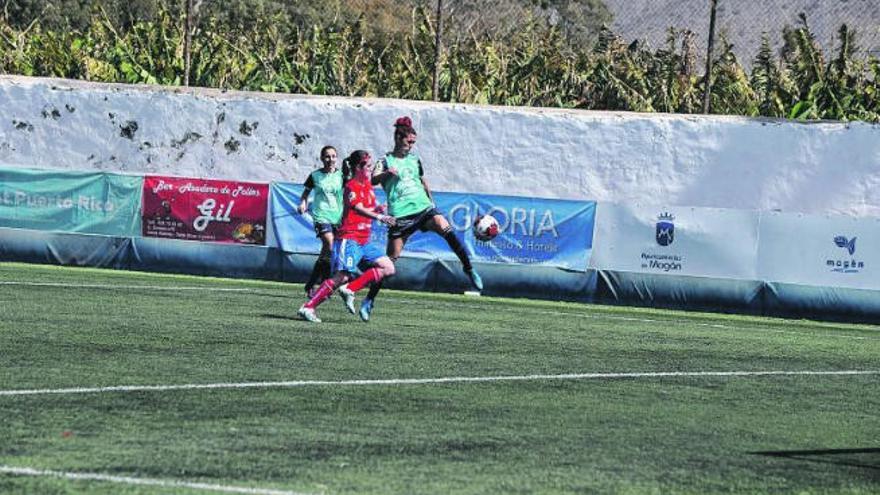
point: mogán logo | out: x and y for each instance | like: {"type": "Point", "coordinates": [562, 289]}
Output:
{"type": "Point", "coordinates": [849, 264]}
{"type": "Point", "coordinates": [665, 232]}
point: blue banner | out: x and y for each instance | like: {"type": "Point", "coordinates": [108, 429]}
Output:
{"type": "Point", "coordinates": [534, 231]}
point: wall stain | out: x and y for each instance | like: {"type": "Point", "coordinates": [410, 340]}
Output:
{"type": "Point", "coordinates": [128, 129]}
{"type": "Point", "coordinates": [189, 136]}
{"type": "Point", "coordinates": [23, 126]}
{"type": "Point", "coordinates": [51, 112]}
{"type": "Point", "coordinates": [232, 146]}
{"type": "Point", "coordinates": [247, 129]}
{"type": "Point", "coordinates": [300, 138]}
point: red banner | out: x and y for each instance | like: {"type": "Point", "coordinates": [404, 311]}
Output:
{"type": "Point", "coordinates": [205, 210]}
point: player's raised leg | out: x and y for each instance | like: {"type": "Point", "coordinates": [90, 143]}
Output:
{"type": "Point", "coordinates": [440, 225]}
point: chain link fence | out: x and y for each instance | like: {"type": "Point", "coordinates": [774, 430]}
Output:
{"type": "Point", "coordinates": [743, 23]}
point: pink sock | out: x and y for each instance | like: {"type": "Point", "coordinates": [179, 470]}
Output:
{"type": "Point", "coordinates": [368, 277]}
{"type": "Point", "coordinates": [324, 293]}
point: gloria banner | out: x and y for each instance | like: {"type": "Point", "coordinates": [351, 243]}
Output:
{"type": "Point", "coordinates": [707, 242]}
{"type": "Point", "coordinates": [205, 209]}
{"type": "Point", "coordinates": [533, 231]}
{"type": "Point", "coordinates": [87, 202]}
{"type": "Point", "coordinates": [829, 251]}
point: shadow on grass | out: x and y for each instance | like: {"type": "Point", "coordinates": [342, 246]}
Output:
{"type": "Point", "coordinates": [826, 456]}
{"type": "Point", "coordinates": [290, 317]}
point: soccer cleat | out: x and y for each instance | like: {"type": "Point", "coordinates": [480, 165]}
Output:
{"type": "Point", "coordinates": [308, 314]}
{"type": "Point", "coordinates": [475, 279]}
{"type": "Point", "coordinates": [366, 309]}
{"type": "Point", "coordinates": [347, 298]}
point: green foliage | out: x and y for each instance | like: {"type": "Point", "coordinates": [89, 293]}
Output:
{"type": "Point", "coordinates": [536, 65]}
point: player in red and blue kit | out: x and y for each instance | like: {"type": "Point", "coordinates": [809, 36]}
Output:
{"type": "Point", "coordinates": [351, 247]}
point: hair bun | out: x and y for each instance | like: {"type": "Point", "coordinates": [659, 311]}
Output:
{"type": "Point", "coordinates": [403, 122]}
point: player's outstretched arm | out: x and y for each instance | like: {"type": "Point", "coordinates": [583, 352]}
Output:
{"type": "Point", "coordinates": [374, 214]}
{"type": "Point", "coordinates": [304, 200]}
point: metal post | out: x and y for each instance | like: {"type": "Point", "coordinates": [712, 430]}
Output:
{"type": "Point", "coordinates": [438, 41]}
{"type": "Point", "coordinates": [707, 95]}
{"type": "Point", "coordinates": [187, 41]}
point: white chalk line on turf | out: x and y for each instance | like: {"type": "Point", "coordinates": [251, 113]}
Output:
{"type": "Point", "coordinates": [427, 381]}
{"type": "Point", "coordinates": [20, 471]}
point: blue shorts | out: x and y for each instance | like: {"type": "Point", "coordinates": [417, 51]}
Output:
{"type": "Point", "coordinates": [348, 254]}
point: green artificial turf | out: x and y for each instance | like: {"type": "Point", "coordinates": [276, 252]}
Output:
{"type": "Point", "coordinates": [66, 328]}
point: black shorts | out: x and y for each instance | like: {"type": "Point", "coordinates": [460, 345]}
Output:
{"type": "Point", "coordinates": [323, 228]}
{"type": "Point", "coordinates": [408, 225]}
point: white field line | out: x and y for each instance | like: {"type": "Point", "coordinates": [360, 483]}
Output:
{"type": "Point", "coordinates": [455, 305]}
{"type": "Point", "coordinates": [427, 381]}
{"type": "Point", "coordinates": [136, 287]}
{"type": "Point", "coordinates": [20, 471]}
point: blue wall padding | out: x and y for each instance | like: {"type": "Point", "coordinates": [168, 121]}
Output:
{"type": "Point", "coordinates": [534, 282]}
{"type": "Point", "coordinates": [613, 287]}
{"type": "Point", "coordinates": [684, 292]}
{"type": "Point", "coordinates": [62, 248]}
{"type": "Point", "coordinates": [205, 258]}
{"type": "Point", "coordinates": [839, 303]}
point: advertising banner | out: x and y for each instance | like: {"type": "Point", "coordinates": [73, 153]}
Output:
{"type": "Point", "coordinates": [86, 202]}
{"type": "Point", "coordinates": [533, 231]}
{"type": "Point", "coordinates": [205, 210]}
{"type": "Point", "coordinates": [706, 242]}
{"type": "Point", "coordinates": [828, 251]}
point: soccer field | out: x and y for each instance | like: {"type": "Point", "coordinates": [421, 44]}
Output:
{"type": "Point", "coordinates": [118, 383]}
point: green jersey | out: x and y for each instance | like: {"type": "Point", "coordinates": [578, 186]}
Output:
{"type": "Point", "coordinates": [327, 199]}
{"type": "Point", "coordinates": [406, 193]}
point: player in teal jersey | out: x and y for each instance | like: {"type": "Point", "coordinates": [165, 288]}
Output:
{"type": "Point", "coordinates": [410, 202]}
{"type": "Point", "coordinates": [326, 211]}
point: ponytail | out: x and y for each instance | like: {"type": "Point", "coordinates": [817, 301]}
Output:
{"type": "Point", "coordinates": [354, 161]}
{"type": "Point", "coordinates": [346, 170]}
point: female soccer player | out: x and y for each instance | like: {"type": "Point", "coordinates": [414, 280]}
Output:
{"type": "Point", "coordinates": [326, 211]}
{"type": "Point", "coordinates": [411, 203]}
{"type": "Point", "coordinates": [351, 246]}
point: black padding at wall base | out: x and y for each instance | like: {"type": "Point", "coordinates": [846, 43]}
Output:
{"type": "Point", "coordinates": [62, 248]}
{"type": "Point", "coordinates": [825, 303]}
{"type": "Point", "coordinates": [537, 282]}
{"type": "Point", "coordinates": [680, 292]}
{"type": "Point", "coordinates": [205, 258]}
{"type": "Point", "coordinates": [611, 287]}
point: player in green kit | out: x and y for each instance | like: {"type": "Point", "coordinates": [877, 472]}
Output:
{"type": "Point", "coordinates": [326, 211]}
{"type": "Point", "coordinates": [410, 202]}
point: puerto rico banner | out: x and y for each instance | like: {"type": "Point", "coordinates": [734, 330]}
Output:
{"type": "Point", "coordinates": [534, 231]}
{"type": "Point", "coordinates": [204, 209]}
{"type": "Point", "coordinates": [829, 251]}
{"type": "Point", "coordinates": [85, 202]}
{"type": "Point", "coordinates": [707, 242]}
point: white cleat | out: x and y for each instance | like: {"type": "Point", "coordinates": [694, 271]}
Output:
{"type": "Point", "coordinates": [308, 314]}
{"type": "Point", "coordinates": [348, 299]}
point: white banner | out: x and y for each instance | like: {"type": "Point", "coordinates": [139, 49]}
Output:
{"type": "Point", "coordinates": [706, 242]}
{"type": "Point", "coordinates": [827, 251]}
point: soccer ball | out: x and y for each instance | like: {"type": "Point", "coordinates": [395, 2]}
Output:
{"type": "Point", "coordinates": [486, 228]}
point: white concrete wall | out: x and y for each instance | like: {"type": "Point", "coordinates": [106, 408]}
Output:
{"type": "Point", "coordinates": [639, 159]}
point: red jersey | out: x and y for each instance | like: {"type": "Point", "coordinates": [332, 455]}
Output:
{"type": "Point", "coordinates": [355, 226]}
